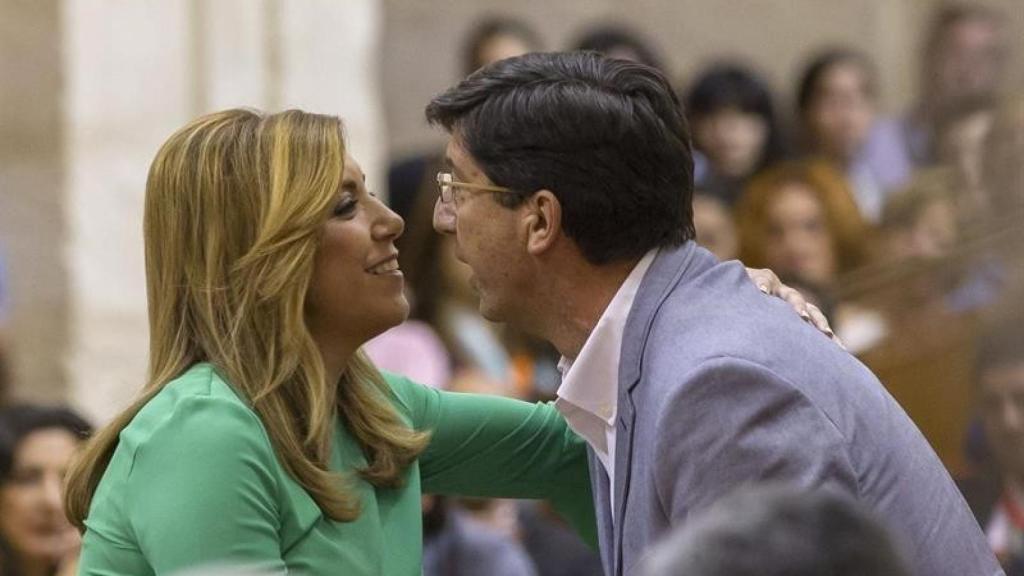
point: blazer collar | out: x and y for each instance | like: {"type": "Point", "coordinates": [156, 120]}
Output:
{"type": "Point", "coordinates": [669, 268]}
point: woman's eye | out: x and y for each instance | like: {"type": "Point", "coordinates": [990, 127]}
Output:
{"type": "Point", "coordinates": [344, 207]}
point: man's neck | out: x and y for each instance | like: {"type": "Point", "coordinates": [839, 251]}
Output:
{"type": "Point", "coordinates": [578, 301]}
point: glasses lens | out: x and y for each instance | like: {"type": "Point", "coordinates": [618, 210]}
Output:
{"type": "Point", "coordinates": [444, 184]}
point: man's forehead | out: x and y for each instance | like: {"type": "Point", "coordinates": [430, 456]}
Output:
{"type": "Point", "coordinates": [457, 157]}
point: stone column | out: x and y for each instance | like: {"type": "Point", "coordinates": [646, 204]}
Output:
{"type": "Point", "coordinates": [33, 228]}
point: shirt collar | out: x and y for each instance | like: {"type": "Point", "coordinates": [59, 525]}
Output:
{"type": "Point", "coordinates": [591, 381]}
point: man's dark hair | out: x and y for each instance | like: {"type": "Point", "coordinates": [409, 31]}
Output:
{"type": "Point", "coordinates": [779, 531]}
{"type": "Point", "coordinates": [606, 136]}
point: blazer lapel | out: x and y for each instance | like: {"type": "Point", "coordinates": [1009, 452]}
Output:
{"type": "Point", "coordinates": [661, 277]}
{"type": "Point", "coordinates": [602, 509]}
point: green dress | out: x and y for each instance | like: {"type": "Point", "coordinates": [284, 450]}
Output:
{"type": "Point", "coordinates": [194, 482]}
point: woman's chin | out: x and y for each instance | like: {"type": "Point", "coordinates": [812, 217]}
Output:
{"type": "Point", "coordinates": [398, 315]}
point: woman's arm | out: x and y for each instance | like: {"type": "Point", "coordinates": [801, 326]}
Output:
{"type": "Point", "coordinates": [489, 446]}
{"type": "Point", "coordinates": [203, 490]}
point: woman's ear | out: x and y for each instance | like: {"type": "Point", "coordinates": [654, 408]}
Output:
{"type": "Point", "coordinates": [543, 222]}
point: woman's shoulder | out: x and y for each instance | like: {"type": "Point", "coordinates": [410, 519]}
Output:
{"type": "Point", "coordinates": [410, 398]}
{"type": "Point", "coordinates": [198, 410]}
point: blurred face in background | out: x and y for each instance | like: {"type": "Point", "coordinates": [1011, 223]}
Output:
{"type": "Point", "coordinates": [962, 146]}
{"type": "Point", "coordinates": [934, 233]}
{"type": "Point", "coordinates": [732, 140]}
{"type": "Point", "coordinates": [500, 47]}
{"type": "Point", "coordinates": [798, 243]}
{"type": "Point", "coordinates": [1002, 405]}
{"type": "Point", "coordinates": [32, 520]}
{"type": "Point", "coordinates": [841, 111]}
{"type": "Point", "coordinates": [967, 62]}
{"type": "Point", "coordinates": [716, 229]}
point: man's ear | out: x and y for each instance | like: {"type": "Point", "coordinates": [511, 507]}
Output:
{"type": "Point", "coordinates": [542, 221]}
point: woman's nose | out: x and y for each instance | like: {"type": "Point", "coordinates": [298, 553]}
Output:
{"type": "Point", "coordinates": [389, 226]}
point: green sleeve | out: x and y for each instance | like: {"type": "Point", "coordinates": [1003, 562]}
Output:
{"type": "Point", "coordinates": [203, 490]}
{"type": "Point", "coordinates": [489, 446]}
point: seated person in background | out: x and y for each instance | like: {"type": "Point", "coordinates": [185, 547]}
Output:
{"type": "Point", "coordinates": [36, 445]}
{"type": "Point", "coordinates": [960, 141]}
{"type": "Point", "coordinates": [837, 105]}
{"type": "Point", "coordinates": [771, 530]}
{"type": "Point", "coordinates": [734, 127]}
{"type": "Point", "coordinates": [1003, 170]}
{"type": "Point", "coordinates": [618, 42]}
{"type": "Point", "coordinates": [998, 499]}
{"type": "Point", "coordinates": [921, 224]}
{"type": "Point", "coordinates": [800, 220]}
{"type": "Point", "coordinates": [716, 228]}
{"type": "Point", "coordinates": [489, 40]}
{"type": "Point", "coordinates": [964, 57]}
{"type": "Point", "coordinates": [455, 544]}
{"type": "Point", "coordinates": [920, 221]}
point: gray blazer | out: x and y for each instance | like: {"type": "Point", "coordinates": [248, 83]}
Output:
{"type": "Point", "coordinates": [720, 386]}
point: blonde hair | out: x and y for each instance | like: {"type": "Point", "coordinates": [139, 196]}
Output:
{"type": "Point", "coordinates": [903, 208]}
{"type": "Point", "coordinates": [235, 205]}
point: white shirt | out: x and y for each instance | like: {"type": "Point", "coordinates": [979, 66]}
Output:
{"type": "Point", "coordinates": [588, 396]}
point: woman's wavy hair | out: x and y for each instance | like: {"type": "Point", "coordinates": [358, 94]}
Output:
{"type": "Point", "coordinates": [853, 238]}
{"type": "Point", "coordinates": [235, 205]}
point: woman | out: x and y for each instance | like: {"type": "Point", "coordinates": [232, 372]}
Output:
{"type": "Point", "coordinates": [734, 128]}
{"type": "Point", "coordinates": [837, 105]}
{"type": "Point", "coordinates": [263, 437]}
{"type": "Point", "coordinates": [36, 446]}
{"type": "Point", "coordinates": [800, 219]}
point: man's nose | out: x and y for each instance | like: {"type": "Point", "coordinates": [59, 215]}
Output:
{"type": "Point", "coordinates": [444, 217]}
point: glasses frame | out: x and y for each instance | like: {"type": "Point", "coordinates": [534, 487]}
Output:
{"type": "Point", "coordinates": [446, 185]}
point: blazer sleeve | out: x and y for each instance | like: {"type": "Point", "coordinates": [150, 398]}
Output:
{"type": "Point", "coordinates": [204, 490]}
{"type": "Point", "coordinates": [731, 423]}
{"type": "Point", "coordinates": [495, 447]}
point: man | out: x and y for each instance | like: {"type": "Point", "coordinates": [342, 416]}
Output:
{"type": "Point", "coordinates": [778, 530]}
{"type": "Point", "coordinates": [568, 192]}
{"type": "Point", "coordinates": [999, 504]}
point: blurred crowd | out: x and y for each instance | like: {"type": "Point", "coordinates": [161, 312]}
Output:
{"type": "Point", "coordinates": [907, 231]}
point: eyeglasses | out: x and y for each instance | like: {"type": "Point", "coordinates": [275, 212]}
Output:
{"type": "Point", "coordinates": [447, 185]}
